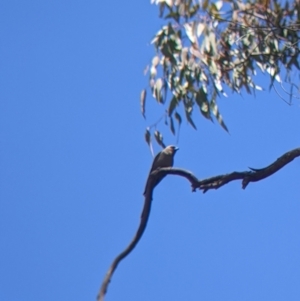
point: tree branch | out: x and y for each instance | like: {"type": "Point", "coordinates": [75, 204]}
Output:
{"type": "Point", "coordinates": [253, 175]}
{"type": "Point", "coordinates": [142, 226]}
{"type": "Point", "coordinates": [211, 183]}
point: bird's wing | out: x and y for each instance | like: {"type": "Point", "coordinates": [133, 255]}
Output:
{"type": "Point", "coordinates": [153, 167]}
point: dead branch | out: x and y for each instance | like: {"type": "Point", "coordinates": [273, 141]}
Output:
{"type": "Point", "coordinates": [142, 226]}
{"type": "Point", "coordinates": [253, 175]}
{"type": "Point", "coordinates": [216, 182]}
{"type": "Point", "coordinates": [249, 176]}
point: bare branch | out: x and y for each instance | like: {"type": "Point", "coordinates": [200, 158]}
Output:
{"type": "Point", "coordinates": [254, 175]}
{"type": "Point", "coordinates": [142, 226]}
{"type": "Point", "coordinates": [211, 183]}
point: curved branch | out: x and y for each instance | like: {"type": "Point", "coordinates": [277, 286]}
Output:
{"type": "Point", "coordinates": [142, 226]}
{"type": "Point", "coordinates": [246, 176]}
{"type": "Point", "coordinates": [211, 183]}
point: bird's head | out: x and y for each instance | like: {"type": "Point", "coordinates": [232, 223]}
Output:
{"type": "Point", "coordinates": [171, 149]}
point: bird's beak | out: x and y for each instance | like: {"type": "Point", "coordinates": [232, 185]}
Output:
{"type": "Point", "coordinates": [176, 149]}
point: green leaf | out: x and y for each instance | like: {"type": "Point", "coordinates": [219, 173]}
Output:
{"type": "Point", "coordinates": [159, 138]}
{"type": "Point", "coordinates": [188, 115]}
{"type": "Point", "coordinates": [161, 9]}
{"type": "Point", "coordinates": [215, 110]}
{"type": "Point", "coordinates": [148, 136]}
{"type": "Point", "coordinates": [173, 105]}
{"type": "Point", "coordinates": [202, 102]}
{"type": "Point", "coordinates": [155, 61]}
{"type": "Point", "coordinates": [173, 15]}
{"type": "Point", "coordinates": [172, 125]}
{"type": "Point", "coordinates": [169, 2]}
{"type": "Point", "coordinates": [153, 72]}
{"type": "Point", "coordinates": [157, 90]}
{"type": "Point", "coordinates": [193, 10]}
{"type": "Point", "coordinates": [205, 4]}
{"type": "Point", "coordinates": [143, 101]}
{"type": "Point", "coordinates": [178, 118]}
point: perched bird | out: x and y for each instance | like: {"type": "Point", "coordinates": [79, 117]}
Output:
{"type": "Point", "coordinates": [165, 158]}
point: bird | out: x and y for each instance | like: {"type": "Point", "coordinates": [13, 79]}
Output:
{"type": "Point", "coordinates": [165, 158]}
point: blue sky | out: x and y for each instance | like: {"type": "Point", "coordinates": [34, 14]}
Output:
{"type": "Point", "coordinates": [73, 165]}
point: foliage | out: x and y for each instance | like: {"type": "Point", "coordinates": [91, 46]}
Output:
{"type": "Point", "coordinates": [207, 46]}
